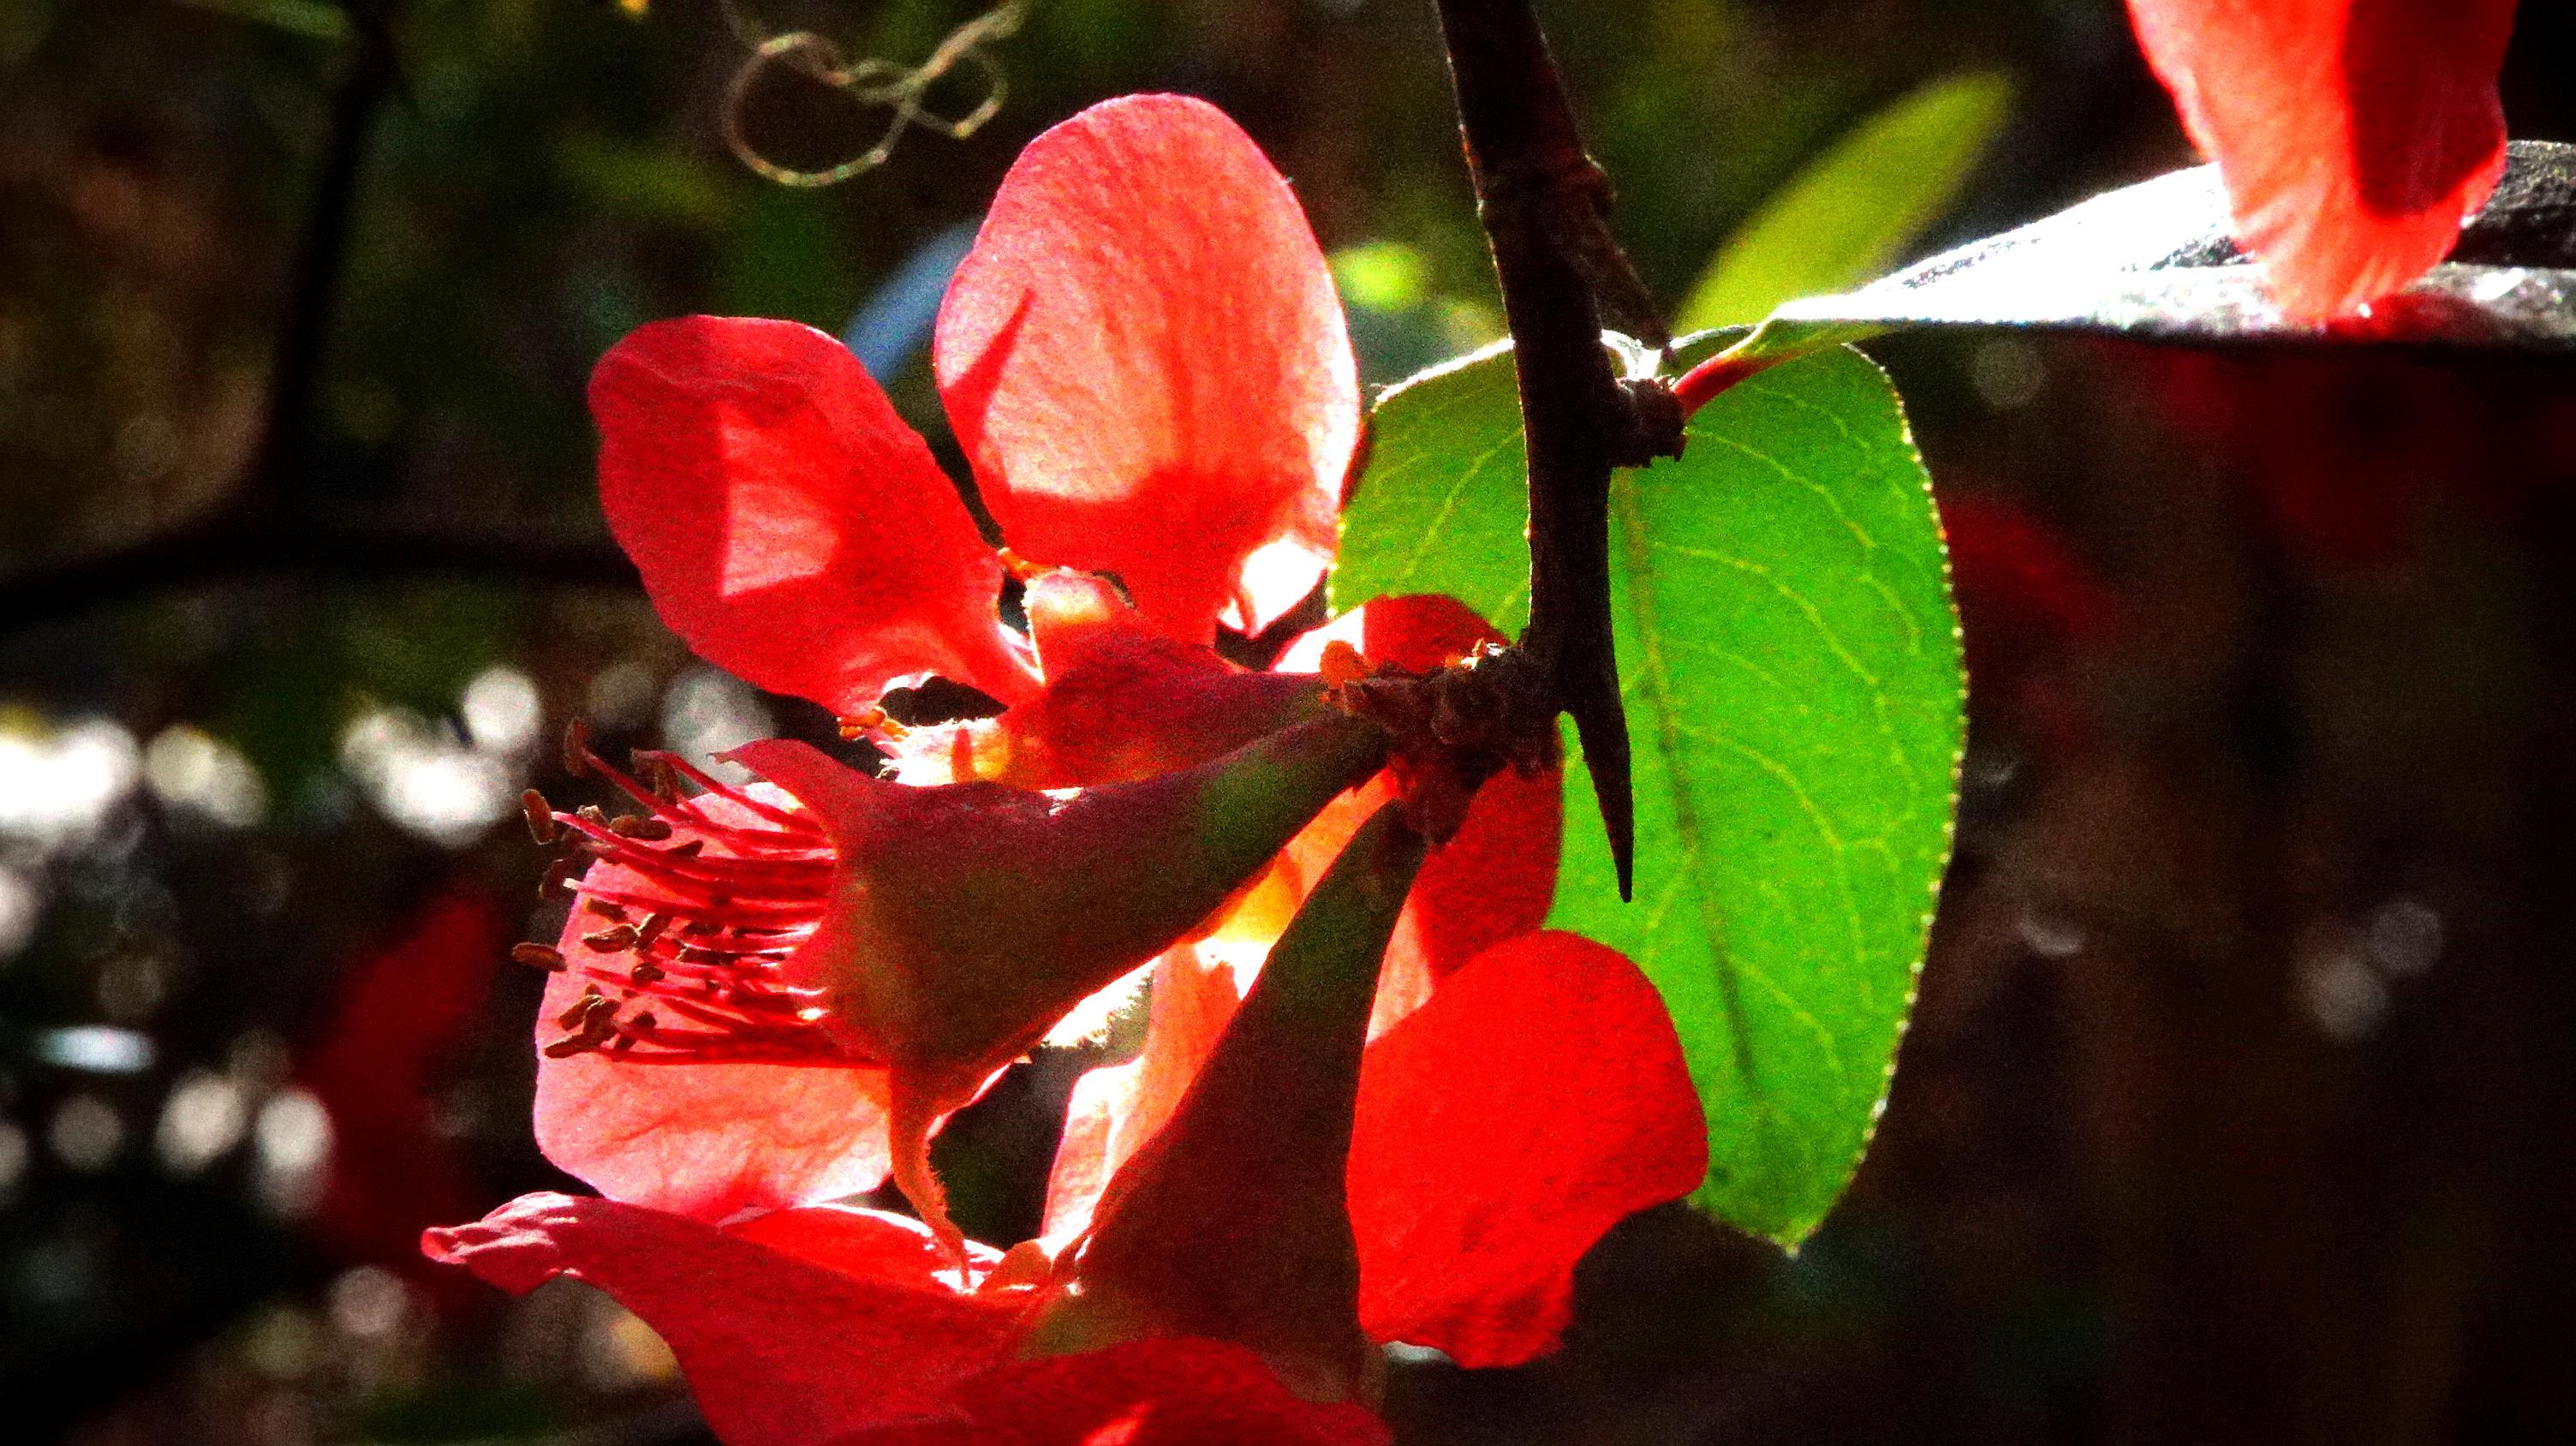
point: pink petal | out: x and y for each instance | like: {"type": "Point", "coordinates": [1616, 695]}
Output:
{"type": "Point", "coordinates": [1538, 1099]}
{"type": "Point", "coordinates": [787, 522]}
{"type": "Point", "coordinates": [778, 1350]}
{"type": "Point", "coordinates": [707, 1141]}
{"type": "Point", "coordinates": [1144, 357]}
{"type": "Point", "coordinates": [2354, 135]}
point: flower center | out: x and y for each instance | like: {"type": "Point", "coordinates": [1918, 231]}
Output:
{"type": "Point", "coordinates": [700, 900]}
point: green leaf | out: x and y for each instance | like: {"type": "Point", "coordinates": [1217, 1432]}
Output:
{"type": "Point", "coordinates": [1794, 692]}
{"type": "Point", "coordinates": [1795, 700]}
{"type": "Point", "coordinates": [1441, 505]}
{"type": "Point", "coordinates": [1848, 215]}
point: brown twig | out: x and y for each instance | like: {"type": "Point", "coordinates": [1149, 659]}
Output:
{"type": "Point", "coordinates": [1545, 208]}
{"type": "Point", "coordinates": [229, 548]}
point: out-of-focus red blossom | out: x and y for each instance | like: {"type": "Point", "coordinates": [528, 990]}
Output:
{"type": "Point", "coordinates": [400, 1011]}
{"type": "Point", "coordinates": [2027, 605]}
{"type": "Point", "coordinates": [2352, 455]}
{"type": "Point", "coordinates": [1148, 366]}
{"type": "Point", "coordinates": [2354, 136]}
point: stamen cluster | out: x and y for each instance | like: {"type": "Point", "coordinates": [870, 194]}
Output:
{"type": "Point", "coordinates": [708, 893]}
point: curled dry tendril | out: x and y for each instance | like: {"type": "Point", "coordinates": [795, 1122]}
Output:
{"type": "Point", "coordinates": [871, 82]}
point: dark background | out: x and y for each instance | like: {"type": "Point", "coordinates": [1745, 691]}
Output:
{"type": "Point", "coordinates": [2237, 1104]}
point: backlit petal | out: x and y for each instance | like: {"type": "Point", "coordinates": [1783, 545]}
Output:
{"type": "Point", "coordinates": [1144, 358]}
{"type": "Point", "coordinates": [1121, 702]}
{"type": "Point", "coordinates": [2354, 135]}
{"type": "Point", "coordinates": [1181, 1391]}
{"type": "Point", "coordinates": [703, 1140]}
{"type": "Point", "coordinates": [1535, 1101]}
{"type": "Point", "coordinates": [787, 522]}
{"type": "Point", "coordinates": [779, 1351]}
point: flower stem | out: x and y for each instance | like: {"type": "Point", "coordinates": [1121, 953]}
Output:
{"type": "Point", "coordinates": [1545, 209]}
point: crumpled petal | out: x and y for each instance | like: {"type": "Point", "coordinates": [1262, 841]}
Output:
{"type": "Point", "coordinates": [1538, 1099]}
{"type": "Point", "coordinates": [787, 522]}
{"type": "Point", "coordinates": [1174, 1391]}
{"type": "Point", "coordinates": [707, 1141]}
{"type": "Point", "coordinates": [1145, 359]}
{"type": "Point", "coordinates": [779, 1351]}
{"type": "Point", "coordinates": [2354, 135]}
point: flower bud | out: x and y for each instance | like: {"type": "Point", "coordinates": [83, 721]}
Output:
{"type": "Point", "coordinates": [1233, 1221]}
{"type": "Point", "coordinates": [964, 920]}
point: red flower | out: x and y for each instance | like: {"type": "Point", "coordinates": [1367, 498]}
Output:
{"type": "Point", "coordinates": [2354, 136]}
{"type": "Point", "coordinates": [398, 1014]}
{"type": "Point", "coordinates": [792, 527]}
{"type": "Point", "coordinates": [1147, 365]}
{"type": "Point", "coordinates": [1535, 1100]}
{"type": "Point", "coordinates": [772, 995]}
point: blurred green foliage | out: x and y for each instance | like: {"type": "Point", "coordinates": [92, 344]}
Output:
{"type": "Point", "coordinates": [1853, 210]}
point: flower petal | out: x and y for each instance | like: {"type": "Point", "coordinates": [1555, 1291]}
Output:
{"type": "Point", "coordinates": [866, 1244]}
{"type": "Point", "coordinates": [1535, 1101]}
{"type": "Point", "coordinates": [1117, 1108]}
{"type": "Point", "coordinates": [778, 1350]}
{"type": "Point", "coordinates": [707, 1141]}
{"type": "Point", "coordinates": [2354, 135]}
{"type": "Point", "coordinates": [1144, 357]}
{"type": "Point", "coordinates": [787, 522]}
{"type": "Point", "coordinates": [1176, 1391]}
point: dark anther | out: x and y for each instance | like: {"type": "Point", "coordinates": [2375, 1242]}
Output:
{"type": "Point", "coordinates": [558, 880]}
{"type": "Point", "coordinates": [539, 955]}
{"type": "Point", "coordinates": [541, 816]}
{"type": "Point", "coordinates": [687, 849]}
{"type": "Point", "coordinates": [636, 826]}
{"type": "Point", "coordinates": [645, 972]}
{"type": "Point", "coordinates": [610, 940]}
{"type": "Point", "coordinates": [651, 929]}
{"type": "Point", "coordinates": [613, 913]}
{"type": "Point", "coordinates": [572, 1016]}
{"type": "Point", "coordinates": [576, 749]}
